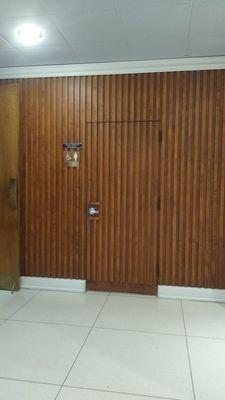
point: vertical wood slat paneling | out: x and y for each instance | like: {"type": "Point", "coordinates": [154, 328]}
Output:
{"type": "Point", "coordinates": [190, 107]}
{"type": "Point", "coordinates": [126, 183]}
{"type": "Point", "coordinates": [192, 240]}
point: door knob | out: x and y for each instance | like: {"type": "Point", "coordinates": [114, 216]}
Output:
{"type": "Point", "coordinates": [92, 211]}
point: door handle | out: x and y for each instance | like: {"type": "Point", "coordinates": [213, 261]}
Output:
{"type": "Point", "coordinates": [13, 193]}
{"type": "Point", "coordinates": [92, 211]}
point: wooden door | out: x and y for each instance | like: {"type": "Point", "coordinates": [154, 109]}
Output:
{"type": "Point", "coordinates": [9, 210]}
{"type": "Point", "coordinates": [122, 164]}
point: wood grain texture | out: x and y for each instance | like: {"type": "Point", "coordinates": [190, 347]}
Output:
{"type": "Point", "coordinates": [192, 240]}
{"type": "Point", "coordinates": [9, 191]}
{"type": "Point", "coordinates": [191, 109]}
{"type": "Point", "coordinates": [122, 164]}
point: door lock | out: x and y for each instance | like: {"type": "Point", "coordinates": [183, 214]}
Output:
{"type": "Point", "coordinates": [92, 211]}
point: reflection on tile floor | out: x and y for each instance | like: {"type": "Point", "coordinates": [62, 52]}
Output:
{"type": "Point", "coordinates": [103, 346]}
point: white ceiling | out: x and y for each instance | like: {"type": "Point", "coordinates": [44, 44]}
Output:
{"type": "Point", "coordinates": [85, 31]}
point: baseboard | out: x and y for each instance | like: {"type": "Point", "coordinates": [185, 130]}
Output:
{"type": "Point", "coordinates": [65, 285]}
{"type": "Point", "coordinates": [166, 292]}
{"type": "Point", "coordinates": [191, 293]}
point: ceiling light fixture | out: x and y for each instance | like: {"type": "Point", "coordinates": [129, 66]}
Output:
{"type": "Point", "coordinates": [29, 34]}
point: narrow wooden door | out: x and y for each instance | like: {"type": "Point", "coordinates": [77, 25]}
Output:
{"type": "Point", "coordinates": [9, 210]}
{"type": "Point", "coordinates": [122, 164]}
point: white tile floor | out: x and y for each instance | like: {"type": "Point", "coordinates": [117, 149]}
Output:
{"type": "Point", "coordinates": [102, 346]}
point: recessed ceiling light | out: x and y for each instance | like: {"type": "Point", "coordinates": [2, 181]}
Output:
{"type": "Point", "coordinates": [29, 34]}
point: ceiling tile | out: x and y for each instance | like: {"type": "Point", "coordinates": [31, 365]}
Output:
{"type": "Point", "coordinates": [165, 48]}
{"type": "Point", "coordinates": [9, 27]}
{"type": "Point", "coordinates": [74, 6]}
{"type": "Point", "coordinates": [209, 1]}
{"type": "Point", "coordinates": [49, 55]}
{"type": "Point", "coordinates": [149, 3]}
{"type": "Point", "coordinates": [158, 25]}
{"type": "Point", "coordinates": [208, 19]}
{"type": "Point", "coordinates": [10, 58]}
{"type": "Point", "coordinates": [96, 27]}
{"type": "Point", "coordinates": [4, 44]}
{"type": "Point", "coordinates": [21, 8]}
{"type": "Point", "coordinates": [100, 52]}
{"type": "Point", "coordinates": [207, 46]}
{"type": "Point", "coordinates": [112, 30]}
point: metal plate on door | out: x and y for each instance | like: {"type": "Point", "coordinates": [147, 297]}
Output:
{"type": "Point", "coordinates": [13, 193]}
{"type": "Point", "coordinates": [93, 211]}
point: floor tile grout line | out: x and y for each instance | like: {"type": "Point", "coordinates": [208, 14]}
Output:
{"type": "Point", "coordinates": [45, 322]}
{"type": "Point", "coordinates": [108, 294]}
{"type": "Point", "coordinates": [123, 393]}
{"type": "Point", "coordinates": [82, 346]}
{"type": "Point", "coordinates": [142, 331]}
{"type": "Point", "coordinates": [99, 327]}
{"type": "Point", "coordinates": [11, 315]}
{"type": "Point", "coordinates": [2, 321]}
{"type": "Point", "coordinates": [205, 337]}
{"type": "Point", "coordinates": [103, 305]}
{"type": "Point", "coordinates": [83, 388]}
{"type": "Point", "coordinates": [29, 381]}
{"type": "Point", "coordinates": [60, 386]}
{"type": "Point", "coordinates": [87, 326]}
{"type": "Point", "coordinates": [93, 326]}
{"type": "Point", "coordinates": [50, 323]}
{"type": "Point", "coordinates": [188, 352]}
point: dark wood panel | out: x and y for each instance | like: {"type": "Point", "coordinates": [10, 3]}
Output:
{"type": "Point", "coordinates": [192, 240]}
{"type": "Point", "coordinates": [190, 108]}
{"type": "Point", "coordinates": [122, 164]}
{"type": "Point", "coordinates": [54, 225]}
